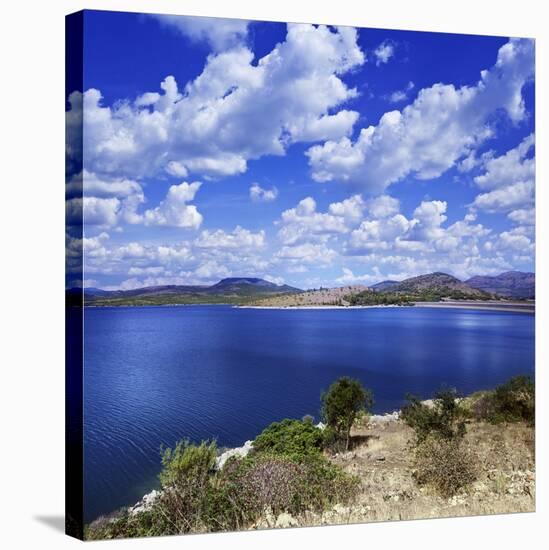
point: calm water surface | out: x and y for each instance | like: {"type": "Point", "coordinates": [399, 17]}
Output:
{"type": "Point", "coordinates": [154, 375]}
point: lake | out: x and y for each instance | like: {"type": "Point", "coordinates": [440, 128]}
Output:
{"type": "Point", "coordinates": [154, 375]}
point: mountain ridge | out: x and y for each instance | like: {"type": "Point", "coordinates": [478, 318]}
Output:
{"type": "Point", "coordinates": [510, 284]}
{"type": "Point", "coordinates": [228, 290]}
{"type": "Point", "coordinates": [434, 286]}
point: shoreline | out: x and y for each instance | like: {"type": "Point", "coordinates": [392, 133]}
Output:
{"type": "Point", "coordinates": [480, 306]}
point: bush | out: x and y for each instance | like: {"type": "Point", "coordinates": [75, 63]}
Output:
{"type": "Point", "coordinates": [444, 465]}
{"type": "Point", "coordinates": [341, 404]}
{"type": "Point", "coordinates": [290, 475]}
{"type": "Point", "coordinates": [445, 419]}
{"type": "Point", "coordinates": [293, 438]}
{"type": "Point", "coordinates": [187, 461]}
{"type": "Point", "coordinates": [185, 480]}
{"type": "Point", "coordinates": [514, 401]}
{"type": "Point", "coordinates": [246, 488]}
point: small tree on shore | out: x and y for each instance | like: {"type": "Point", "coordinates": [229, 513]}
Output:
{"type": "Point", "coordinates": [342, 403]}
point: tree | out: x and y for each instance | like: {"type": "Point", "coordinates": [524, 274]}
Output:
{"type": "Point", "coordinates": [341, 404]}
{"type": "Point", "coordinates": [445, 419]}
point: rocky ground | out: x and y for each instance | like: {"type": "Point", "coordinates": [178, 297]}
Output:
{"type": "Point", "coordinates": [382, 459]}
{"type": "Point", "coordinates": [311, 298]}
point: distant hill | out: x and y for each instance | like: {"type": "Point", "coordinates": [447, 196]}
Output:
{"type": "Point", "coordinates": [432, 287]}
{"type": "Point", "coordinates": [384, 285]}
{"type": "Point", "coordinates": [440, 284]}
{"type": "Point", "coordinates": [511, 284]}
{"type": "Point", "coordinates": [230, 290]}
{"type": "Point", "coordinates": [338, 296]}
{"type": "Point", "coordinates": [250, 285]}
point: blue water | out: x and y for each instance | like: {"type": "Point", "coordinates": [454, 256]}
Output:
{"type": "Point", "coordinates": [154, 375]}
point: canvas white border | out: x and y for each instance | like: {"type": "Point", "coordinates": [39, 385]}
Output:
{"type": "Point", "coordinates": [32, 91]}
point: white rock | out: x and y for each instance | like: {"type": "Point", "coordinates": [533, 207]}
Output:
{"type": "Point", "coordinates": [145, 503]}
{"type": "Point", "coordinates": [381, 418]}
{"type": "Point", "coordinates": [240, 452]}
{"type": "Point", "coordinates": [285, 520]}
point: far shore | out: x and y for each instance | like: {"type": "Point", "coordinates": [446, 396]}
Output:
{"type": "Point", "coordinates": [520, 307]}
{"type": "Point", "coordinates": [516, 307]}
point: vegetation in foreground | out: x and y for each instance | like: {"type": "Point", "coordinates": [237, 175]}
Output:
{"type": "Point", "coordinates": [450, 456]}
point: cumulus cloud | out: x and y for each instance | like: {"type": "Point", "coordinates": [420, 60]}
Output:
{"type": "Point", "coordinates": [426, 138]}
{"type": "Point", "coordinates": [350, 209]}
{"type": "Point", "coordinates": [304, 223]}
{"type": "Point", "coordinates": [401, 95]}
{"type": "Point", "coordinates": [239, 238]}
{"type": "Point", "coordinates": [237, 109]}
{"type": "Point", "coordinates": [384, 52]}
{"type": "Point", "coordinates": [514, 240]}
{"type": "Point", "coordinates": [219, 34]}
{"type": "Point", "coordinates": [378, 234]}
{"type": "Point", "coordinates": [258, 194]}
{"type": "Point", "coordinates": [523, 216]}
{"type": "Point", "coordinates": [309, 253]}
{"type": "Point", "coordinates": [174, 211]}
{"type": "Point", "coordinates": [510, 182]}
{"type": "Point", "coordinates": [276, 280]}
{"type": "Point", "coordinates": [424, 233]}
{"type": "Point", "coordinates": [509, 168]}
{"type": "Point", "coordinates": [383, 206]}
{"type": "Point", "coordinates": [514, 196]}
{"type": "Point", "coordinates": [104, 201]}
{"type": "Point", "coordinates": [349, 278]}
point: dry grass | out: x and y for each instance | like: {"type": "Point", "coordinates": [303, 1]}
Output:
{"type": "Point", "coordinates": [312, 298]}
{"type": "Point", "coordinates": [383, 460]}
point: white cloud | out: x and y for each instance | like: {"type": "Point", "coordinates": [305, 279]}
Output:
{"type": "Point", "coordinates": [276, 280]}
{"type": "Point", "coordinates": [211, 270]}
{"type": "Point", "coordinates": [515, 240]}
{"type": "Point", "coordinates": [523, 216]}
{"type": "Point", "coordinates": [384, 52]}
{"type": "Point", "coordinates": [350, 209]}
{"type": "Point", "coordinates": [512, 167]}
{"type": "Point", "coordinates": [304, 223]}
{"type": "Point", "coordinates": [383, 206]}
{"type": "Point", "coordinates": [431, 134]}
{"type": "Point", "coordinates": [237, 109]}
{"type": "Point", "coordinates": [514, 196]}
{"type": "Point", "coordinates": [258, 194]}
{"type": "Point", "coordinates": [106, 201]}
{"type": "Point", "coordinates": [349, 278]}
{"type": "Point", "coordinates": [95, 211]}
{"type": "Point", "coordinates": [174, 211]}
{"type": "Point", "coordinates": [378, 234]}
{"type": "Point", "coordinates": [430, 215]}
{"type": "Point", "coordinates": [386, 229]}
{"type": "Point", "coordinates": [309, 253]}
{"type": "Point", "coordinates": [152, 270]}
{"type": "Point", "coordinates": [239, 238]}
{"type": "Point", "coordinates": [401, 95]}
{"type": "Point", "coordinates": [219, 33]}
{"type": "Point", "coordinates": [510, 182]}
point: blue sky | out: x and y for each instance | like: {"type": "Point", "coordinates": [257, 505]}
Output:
{"type": "Point", "coordinates": [304, 154]}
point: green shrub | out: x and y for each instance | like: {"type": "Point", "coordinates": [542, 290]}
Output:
{"type": "Point", "coordinates": [187, 461]}
{"type": "Point", "coordinates": [444, 419]}
{"type": "Point", "coordinates": [292, 438]}
{"type": "Point", "coordinates": [290, 475]}
{"type": "Point", "coordinates": [123, 524]}
{"type": "Point", "coordinates": [185, 480]}
{"type": "Point", "coordinates": [445, 465]}
{"type": "Point", "coordinates": [341, 404]}
{"type": "Point", "coordinates": [246, 488]}
{"type": "Point", "coordinates": [514, 401]}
